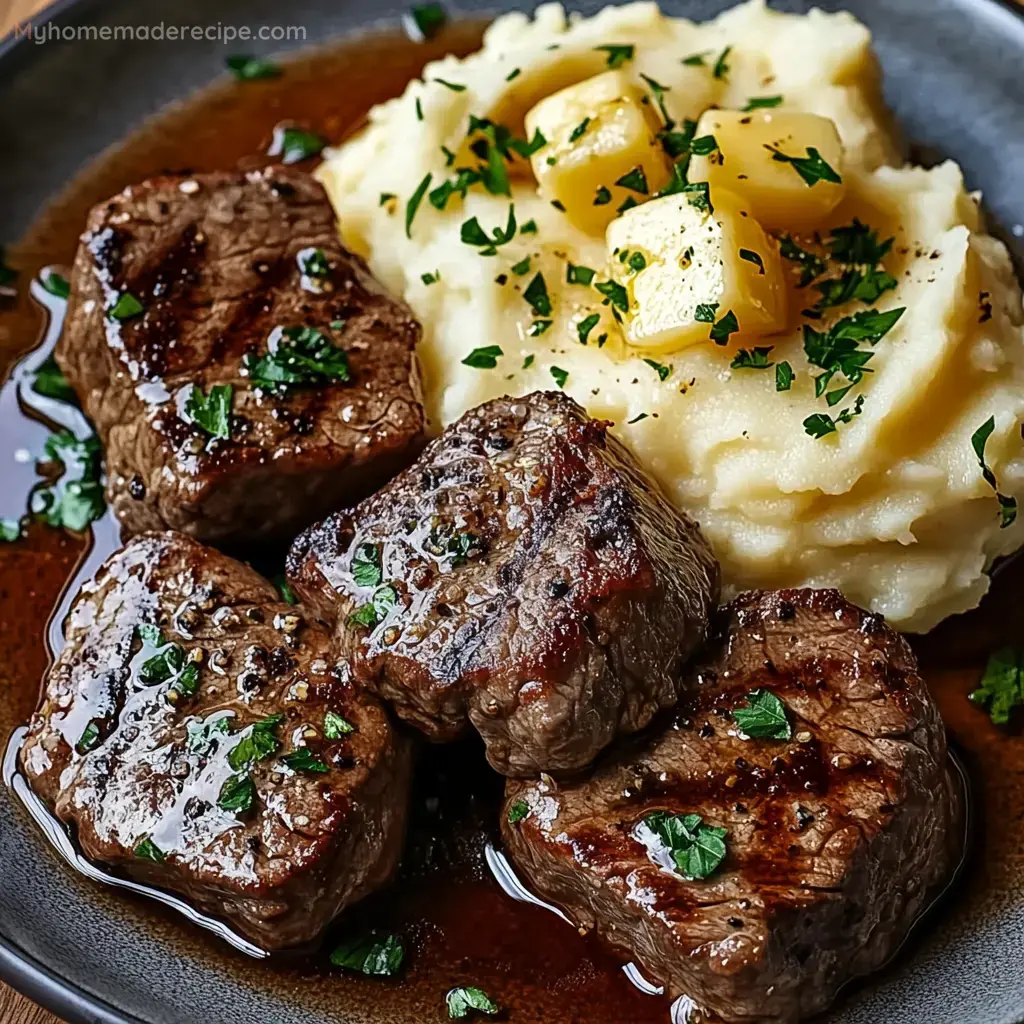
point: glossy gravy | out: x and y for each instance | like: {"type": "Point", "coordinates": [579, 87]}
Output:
{"type": "Point", "coordinates": [460, 927]}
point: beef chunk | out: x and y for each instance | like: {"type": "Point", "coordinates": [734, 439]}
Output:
{"type": "Point", "coordinates": [197, 733]}
{"type": "Point", "coordinates": [524, 574]}
{"type": "Point", "coordinates": [184, 285]}
{"type": "Point", "coordinates": [833, 836]}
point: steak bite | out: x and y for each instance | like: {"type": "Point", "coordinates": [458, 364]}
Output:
{"type": "Point", "coordinates": [245, 372]}
{"type": "Point", "coordinates": [776, 839]}
{"type": "Point", "coordinates": [523, 574]}
{"type": "Point", "coordinates": [198, 735]}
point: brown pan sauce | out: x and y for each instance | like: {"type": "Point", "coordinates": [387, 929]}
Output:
{"type": "Point", "coordinates": [460, 928]}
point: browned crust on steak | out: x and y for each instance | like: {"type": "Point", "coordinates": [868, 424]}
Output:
{"type": "Point", "coordinates": [213, 258]}
{"type": "Point", "coordinates": [571, 614]}
{"type": "Point", "coordinates": [835, 837]}
{"type": "Point", "coordinates": [313, 843]}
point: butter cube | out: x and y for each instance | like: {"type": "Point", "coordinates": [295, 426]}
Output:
{"type": "Point", "coordinates": [686, 269]}
{"type": "Point", "coordinates": [788, 167]}
{"type": "Point", "coordinates": [602, 150]}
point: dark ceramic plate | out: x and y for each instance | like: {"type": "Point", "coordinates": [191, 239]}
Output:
{"type": "Point", "coordinates": [953, 76]}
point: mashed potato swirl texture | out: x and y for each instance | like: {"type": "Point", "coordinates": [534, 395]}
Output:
{"type": "Point", "coordinates": [892, 507]}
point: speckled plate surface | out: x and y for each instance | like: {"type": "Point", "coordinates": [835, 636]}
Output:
{"type": "Point", "coordinates": [954, 74]}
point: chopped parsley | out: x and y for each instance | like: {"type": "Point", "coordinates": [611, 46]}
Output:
{"type": "Point", "coordinates": [247, 68]}
{"type": "Point", "coordinates": [146, 849]}
{"type": "Point", "coordinates": [677, 143]}
{"type": "Point", "coordinates": [75, 498]}
{"type": "Point", "coordinates": [536, 294]}
{"type": "Point", "coordinates": [838, 350]}
{"type": "Point", "coordinates": [472, 234]}
{"type": "Point", "coordinates": [637, 418]}
{"type": "Point", "coordinates": [721, 68]}
{"type": "Point", "coordinates": [297, 356]}
{"type": "Point", "coordinates": [518, 811]}
{"type": "Point", "coordinates": [857, 244]}
{"type": "Point", "coordinates": [603, 196]}
{"type": "Point", "coordinates": [579, 275]}
{"type": "Point", "coordinates": [528, 361]}
{"type": "Point", "coordinates": [539, 327]}
{"type": "Point", "coordinates": [335, 726]}
{"type": "Point", "coordinates": [258, 742]}
{"type": "Point", "coordinates": [618, 54]}
{"type": "Point", "coordinates": [237, 794]}
{"type": "Point", "coordinates": [627, 204]}
{"type": "Point", "coordinates": [464, 179]}
{"type": "Point", "coordinates": [313, 263]}
{"type": "Point", "coordinates": [50, 381]}
{"type": "Point", "coordinates": [811, 265]}
{"type": "Point", "coordinates": [529, 228]}
{"type": "Point", "coordinates": [579, 130]}
{"type": "Point", "coordinates": [697, 849]}
{"type": "Point", "coordinates": [454, 86]}
{"type": "Point", "coordinates": [126, 307]}
{"type": "Point", "coordinates": [514, 73]}
{"type": "Point", "coordinates": [635, 180]}
{"type": "Point", "coordinates": [705, 312]}
{"type": "Point", "coordinates": [366, 568]}
{"type": "Point", "coordinates": [89, 738]}
{"type": "Point", "coordinates": [783, 376]}
{"type": "Point", "coordinates": [754, 359]}
{"type": "Point", "coordinates": [485, 358]}
{"type": "Point", "coordinates": [696, 60]}
{"type": "Point", "coordinates": [371, 955]}
{"type": "Point", "coordinates": [820, 424]}
{"type": "Point", "coordinates": [812, 168]}
{"type": "Point", "coordinates": [414, 203]}
{"type": "Point", "coordinates": [704, 146]}
{"type": "Point", "coordinates": [762, 103]}
{"type": "Point", "coordinates": [419, 109]}
{"type": "Point", "coordinates": [614, 294]}
{"type": "Point", "coordinates": [168, 663]}
{"type": "Point", "coordinates": [660, 369]}
{"type": "Point", "coordinates": [1001, 688]}
{"type": "Point", "coordinates": [462, 1001]}
{"type": "Point", "coordinates": [560, 375]}
{"type": "Point", "coordinates": [1007, 505]}
{"type": "Point", "coordinates": [426, 20]}
{"type": "Point", "coordinates": [211, 412]}
{"type": "Point", "coordinates": [302, 759]}
{"type": "Point", "coordinates": [586, 325]}
{"type": "Point", "coordinates": [721, 329]}
{"type": "Point", "coordinates": [752, 257]}
{"type": "Point", "coordinates": [659, 90]}
{"type": "Point", "coordinates": [522, 267]}
{"type": "Point", "coordinates": [56, 284]}
{"type": "Point", "coordinates": [764, 717]}
{"type": "Point", "coordinates": [376, 609]}
{"type": "Point", "coordinates": [430, 278]}
{"type": "Point", "coordinates": [285, 590]}
{"type": "Point", "coordinates": [294, 145]}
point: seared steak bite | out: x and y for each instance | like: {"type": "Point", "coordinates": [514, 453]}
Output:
{"type": "Point", "coordinates": [245, 372]}
{"type": "Point", "coordinates": [199, 736]}
{"type": "Point", "coordinates": [811, 756]}
{"type": "Point", "coordinates": [523, 574]}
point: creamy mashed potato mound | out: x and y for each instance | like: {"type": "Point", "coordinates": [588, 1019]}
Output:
{"type": "Point", "coordinates": [891, 507]}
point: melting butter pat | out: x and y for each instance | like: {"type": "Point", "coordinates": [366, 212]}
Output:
{"type": "Point", "coordinates": [602, 151]}
{"type": "Point", "coordinates": [685, 269]}
{"type": "Point", "coordinates": [784, 165]}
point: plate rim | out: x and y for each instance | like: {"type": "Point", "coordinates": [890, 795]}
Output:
{"type": "Point", "coordinates": [20, 970]}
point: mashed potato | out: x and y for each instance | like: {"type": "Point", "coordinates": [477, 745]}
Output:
{"type": "Point", "coordinates": [891, 506]}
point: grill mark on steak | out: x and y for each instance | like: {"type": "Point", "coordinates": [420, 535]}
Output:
{"type": "Point", "coordinates": [834, 837]}
{"type": "Point", "coordinates": [509, 615]}
{"type": "Point", "coordinates": [213, 259]}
